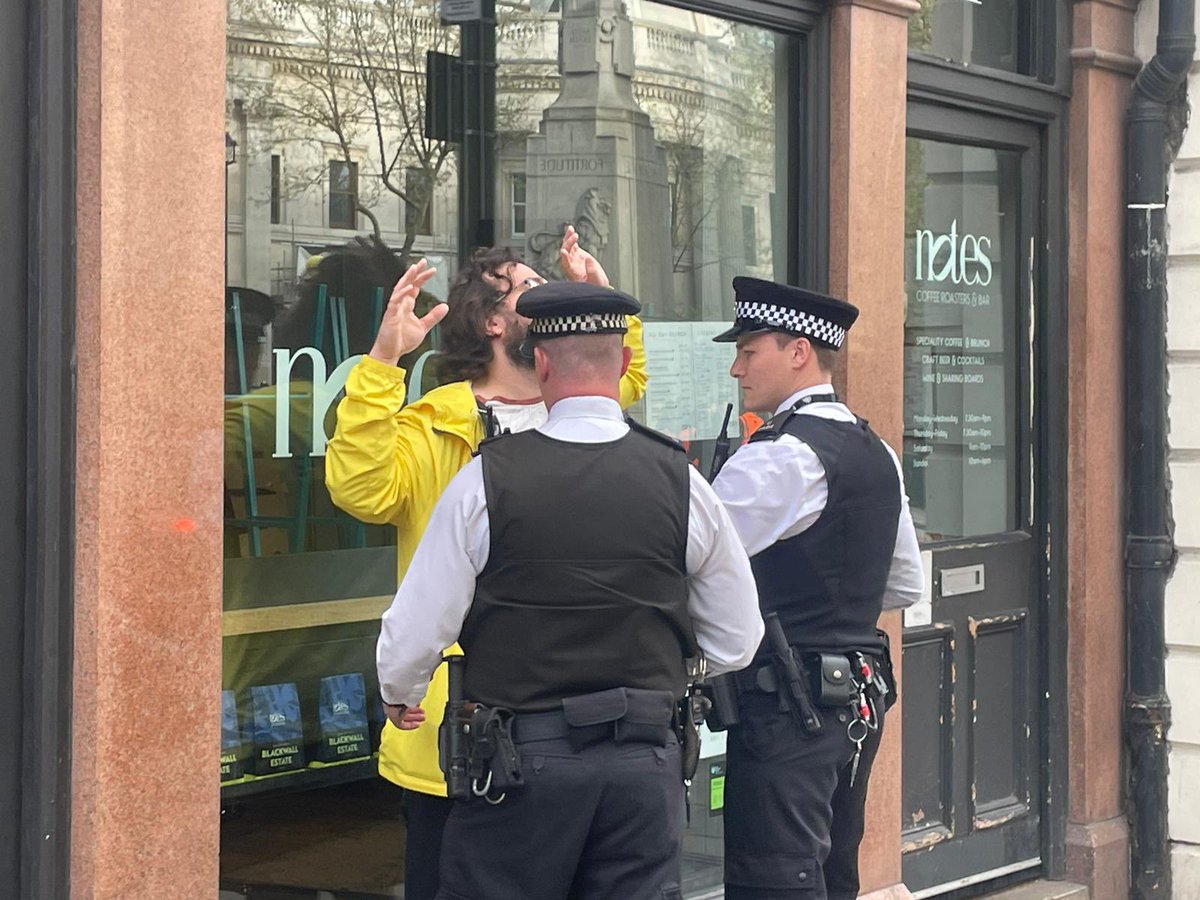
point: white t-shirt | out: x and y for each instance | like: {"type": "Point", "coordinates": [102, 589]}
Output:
{"type": "Point", "coordinates": [517, 417]}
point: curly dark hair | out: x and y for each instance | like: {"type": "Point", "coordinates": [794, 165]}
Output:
{"type": "Point", "coordinates": [465, 351]}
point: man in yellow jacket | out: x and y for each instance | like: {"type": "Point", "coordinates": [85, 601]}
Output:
{"type": "Point", "coordinates": [390, 462]}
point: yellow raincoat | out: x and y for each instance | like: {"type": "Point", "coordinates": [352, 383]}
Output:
{"type": "Point", "coordinates": [388, 462]}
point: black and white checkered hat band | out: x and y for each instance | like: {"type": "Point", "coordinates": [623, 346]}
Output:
{"type": "Point", "coordinates": [586, 323]}
{"type": "Point", "coordinates": [792, 320]}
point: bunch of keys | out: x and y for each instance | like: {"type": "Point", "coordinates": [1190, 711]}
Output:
{"type": "Point", "coordinates": [858, 742]}
{"type": "Point", "coordinates": [865, 718]}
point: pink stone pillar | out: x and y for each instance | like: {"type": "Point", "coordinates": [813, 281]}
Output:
{"type": "Point", "coordinates": [869, 76]}
{"type": "Point", "coordinates": [1104, 66]}
{"type": "Point", "coordinates": [145, 793]}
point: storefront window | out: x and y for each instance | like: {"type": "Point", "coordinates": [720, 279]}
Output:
{"type": "Point", "coordinates": [960, 367]}
{"type": "Point", "coordinates": [661, 151]}
{"type": "Point", "coordinates": [982, 32]}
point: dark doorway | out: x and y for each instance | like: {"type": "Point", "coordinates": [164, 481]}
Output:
{"type": "Point", "coordinates": [973, 648]}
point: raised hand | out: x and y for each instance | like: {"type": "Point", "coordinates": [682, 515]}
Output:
{"type": "Point", "coordinates": [402, 330]}
{"type": "Point", "coordinates": [577, 264]}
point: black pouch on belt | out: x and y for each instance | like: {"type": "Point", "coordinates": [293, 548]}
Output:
{"type": "Point", "coordinates": [832, 685]}
{"type": "Point", "coordinates": [493, 755]}
{"type": "Point", "coordinates": [887, 675]}
{"type": "Point", "coordinates": [723, 714]}
{"type": "Point", "coordinates": [625, 715]}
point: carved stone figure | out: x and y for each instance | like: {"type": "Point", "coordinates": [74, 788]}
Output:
{"type": "Point", "coordinates": [591, 221]}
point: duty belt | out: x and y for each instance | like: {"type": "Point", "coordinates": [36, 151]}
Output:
{"type": "Point", "coordinates": [837, 679]}
{"type": "Point", "coordinates": [621, 715]}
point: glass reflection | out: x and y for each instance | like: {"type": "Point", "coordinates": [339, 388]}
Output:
{"type": "Point", "coordinates": [960, 370]}
{"type": "Point", "coordinates": [660, 147]}
{"type": "Point", "coordinates": [982, 32]}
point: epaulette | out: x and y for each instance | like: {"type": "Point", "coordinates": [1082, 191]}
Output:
{"type": "Point", "coordinates": [637, 426]}
{"type": "Point", "coordinates": [772, 430]}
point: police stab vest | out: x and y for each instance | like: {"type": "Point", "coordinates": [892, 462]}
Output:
{"type": "Point", "coordinates": [827, 583]}
{"type": "Point", "coordinates": [585, 585]}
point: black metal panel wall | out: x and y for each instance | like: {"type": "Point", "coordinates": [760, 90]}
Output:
{"type": "Point", "coordinates": [13, 238]}
{"type": "Point", "coordinates": [37, 427]}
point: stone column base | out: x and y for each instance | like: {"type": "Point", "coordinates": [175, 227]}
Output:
{"type": "Point", "coordinates": [895, 892]}
{"type": "Point", "coordinates": [1098, 856]}
{"type": "Point", "coordinates": [1185, 869]}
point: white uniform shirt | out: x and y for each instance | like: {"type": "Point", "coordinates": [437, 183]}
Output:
{"type": "Point", "coordinates": [777, 489]}
{"type": "Point", "coordinates": [433, 600]}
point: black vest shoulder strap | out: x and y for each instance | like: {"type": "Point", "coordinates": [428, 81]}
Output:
{"type": "Point", "coordinates": [778, 424]}
{"type": "Point", "coordinates": [503, 435]}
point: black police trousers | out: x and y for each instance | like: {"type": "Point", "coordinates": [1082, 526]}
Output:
{"type": "Point", "coordinates": [793, 822]}
{"type": "Point", "coordinates": [603, 823]}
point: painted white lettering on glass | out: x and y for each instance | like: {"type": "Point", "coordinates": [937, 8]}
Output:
{"type": "Point", "coordinates": [966, 260]}
{"type": "Point", "coordinates": [325, 391]}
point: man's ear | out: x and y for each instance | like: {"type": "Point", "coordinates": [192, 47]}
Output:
{"type": "Point", "coordinates": [541, 364]}
{"type": "Point", "coordinates": [802, 352]}
{"type": "Point", "coordinates": [626, 356]}
{"type": "Point", "coordinates": [494, 325]}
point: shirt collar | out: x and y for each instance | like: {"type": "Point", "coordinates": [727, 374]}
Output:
{"type": "Point", "coordinates": [804, 392]}
{"type": "Point", "coordinates": [586, 408]}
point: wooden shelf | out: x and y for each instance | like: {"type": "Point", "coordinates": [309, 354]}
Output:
{"type": "Point", "coordinates": [306, 779]}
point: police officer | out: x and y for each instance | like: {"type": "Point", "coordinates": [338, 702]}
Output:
{"type": "Point", "coordinates": [578, 565]}
{"type": "Point", "coordinates": [818, 500]}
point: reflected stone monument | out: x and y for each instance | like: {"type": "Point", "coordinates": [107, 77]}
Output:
{"type": "Point", "coordinates": [595, 163]}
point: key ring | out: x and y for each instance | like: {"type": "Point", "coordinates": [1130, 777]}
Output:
{"type": "Point", "coordinates": [850, 731]}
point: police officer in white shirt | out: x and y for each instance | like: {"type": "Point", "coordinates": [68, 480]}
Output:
{"type": "Point", "coordinates": [819, 503]}
{"type": "Point", "coordinates": [578, 565]}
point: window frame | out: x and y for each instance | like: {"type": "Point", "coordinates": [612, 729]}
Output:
{"type": "Point", "coordinates": [425, 226]}
{"type": "Point", "coordinates": [513, 204]}
{"type": "Point", "coordinates": [352, 194]}
{"type": "Point", "coordinates": [1047, 60]}
{"type": "Point", "coordinates": [276, 190]}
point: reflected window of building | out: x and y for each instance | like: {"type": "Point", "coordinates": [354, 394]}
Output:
{"type": "Point", "coordinates": [960, 339]}
{"type": "Point", "coordinates": [992, 33]}
{"type": "Point", "coordinates": [749, 236]}
{"type": "Point", "coordinates": [651, 129]}
{"type": "Point", "coordinates": [276, 189]}
{"type": "Point", "coordinates": [517, 209]}
{"type": "Point", "coordinates": [343, 193]}
{"type": "Point", "coordinates": [418, 201]}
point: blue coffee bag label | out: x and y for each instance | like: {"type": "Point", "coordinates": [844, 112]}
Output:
{"type": "Point", "coordinates": [232, 758]}
{"type": "Point", "coordinates": [276, 713]}
{"type": "Point", "coordinates": [344, 729]}
{"type": "Point", "coordinates": [343, 703]}
{"type": "Point", "coordinates": [231, 735]}
{"type": "Point", "coordinates": [278, 729]}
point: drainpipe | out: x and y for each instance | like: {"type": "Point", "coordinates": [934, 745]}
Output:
{"type": "Point", "coordinates": [1149, 546]}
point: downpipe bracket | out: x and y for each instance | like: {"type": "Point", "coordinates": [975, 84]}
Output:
{"type": "Point", "coordinates": [1151, 552]}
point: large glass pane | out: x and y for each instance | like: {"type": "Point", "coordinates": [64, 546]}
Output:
{"type": "Point", "coordinates": [655, 131]}
{"type": "Point", "coordinates": [982, 32]}
{"type": "Point", "coordinates": [960, 339]}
